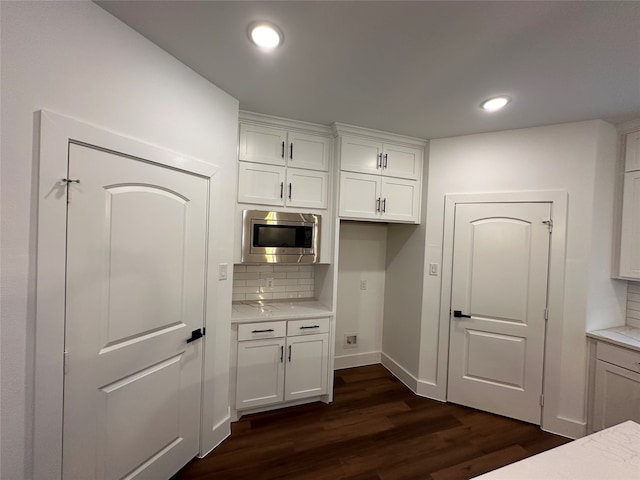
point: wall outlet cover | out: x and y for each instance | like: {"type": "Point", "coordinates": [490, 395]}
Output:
{"type": "Point", "coordinates": [350, 340]}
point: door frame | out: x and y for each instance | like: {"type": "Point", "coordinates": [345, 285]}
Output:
{"type": "Point", "coordinates": [56, 133]}
{"type": "Point", "coordinates": [559, 201]}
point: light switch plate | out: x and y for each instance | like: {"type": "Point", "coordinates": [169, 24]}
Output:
{"type": "Point", "coordinates": [433, 269]}
{"type": "Point", "coordinates": [222, 271]}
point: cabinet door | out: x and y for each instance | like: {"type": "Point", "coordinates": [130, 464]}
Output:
{"type": "Point", "coordinates": [400, 200]}
{"type": "Point", "coordinates": [307, 363]}
{"type": "Point", "coordinates": [617, 395]}
{"type": "Point", "coordinates": [360, 155]}
{"type": "Point", "coordinates": [630, 233]}
{"type": "Point", "coordinates": [307, 188]}
{"type": "Point", "coordinates": [262, 144]}
{"type": "Point", "coordinates": [632, 158]}
{"type": "Point", "coordinates": [359, 196]}
{"type": "Point", "coordinates": [308, 151]}
{"type": "Point", "coordinates": [260, 378]}
{"type": "Point", "coordinates": [260, 183]}
{"type": "Point", "coordinates": [401, 162]}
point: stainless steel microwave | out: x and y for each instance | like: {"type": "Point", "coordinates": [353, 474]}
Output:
{"type": "Point", "coordinates": [280, 237]}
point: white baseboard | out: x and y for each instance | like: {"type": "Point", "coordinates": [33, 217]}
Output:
{"type": "Point", "coordinates": [430, 390]}
{"type": "Point", "coordinates": [565, 427]}
{"type": "Point", "coordinates": [400, 372]}
{"type": "Point", "coordinates": [356, 360]}
{"type": "Point", "coordinates": [219, 433]}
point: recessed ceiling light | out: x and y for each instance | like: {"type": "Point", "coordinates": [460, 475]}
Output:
{"type": "Point", "coordinates": [494, 104]}
{"type": "Point", "coordinates": [265, 35]}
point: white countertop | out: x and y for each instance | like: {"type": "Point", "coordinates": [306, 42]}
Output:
{"type": "Point", "coordinates": [613, 453]}
{"type": "Point", "coordinates": [261, 311]}
{"type": "Point", "coordinates": [626, 336]}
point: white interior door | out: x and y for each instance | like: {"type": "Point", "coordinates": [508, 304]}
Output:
{"type": "Point", "coordinates": [135, 292]}
{"type": "Point", "coordinates": [499, 286]}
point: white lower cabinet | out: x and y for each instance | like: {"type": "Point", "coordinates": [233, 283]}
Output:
{"type": "Point", "coordinates": [617, 386]}
{"type": "Point", "coordinates": [281, 361]}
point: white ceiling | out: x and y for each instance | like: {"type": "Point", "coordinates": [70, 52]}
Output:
{"type": "Point", "coordinates": [417, 68]}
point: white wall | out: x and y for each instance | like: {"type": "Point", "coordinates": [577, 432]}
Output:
{"type": "Point", "coordinates": [578, 158]}
{"type": "Point", "coordinates": [75, 59]}
{"type": "Point", "coordinates": [363, 249]}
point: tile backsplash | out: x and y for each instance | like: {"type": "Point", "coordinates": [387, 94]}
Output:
{"type": "Point", "coordinates": [633, 304]}
{"type": "Point", "coordinates": [272, 282]}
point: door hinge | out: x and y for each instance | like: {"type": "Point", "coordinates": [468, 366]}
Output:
{"type": "Point", "coordinates": [66, 182]}
{"type": "Point", "coordinates": [546, 314]}
{"type": "Point", "coordinates": [542, 400]}
{"type": "Point", "coordinates": [549, 224]}
{"type": "Point", "coordinates": [65, 362]}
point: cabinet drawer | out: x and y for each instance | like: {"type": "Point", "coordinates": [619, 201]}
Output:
{"type": "Point", "coordinates": [256, 331]}
{"type": "Point", "coordinates": [307, 327]}
{"type": "Point", "coordinates": [622, 357]}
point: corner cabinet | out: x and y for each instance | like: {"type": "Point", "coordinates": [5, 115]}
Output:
{"type": "Point", "coordinates": [380, 175]}
{"type": "Point", "coordinates": [281, 361]}
{"type": "Point", "coordinates": [630, 226]}
{"type": "Point", "coordinates": [283, 163]}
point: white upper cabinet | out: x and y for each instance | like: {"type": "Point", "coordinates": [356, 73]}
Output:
{"type": "Point", "coordinates": [402, 162]}
{"type": "Point", "coordinates": [360, 155]}
{"type": "Point", "coordinates": [308, 151]}
{"type": "Point", "coordinates": [283, 163]}
{"type": "Point", "coordinates": [261, 184]}
{"type": "Point", "coordinates": [630, 231]}
{"type": "Point", "coordinates": [277, 146]}
{"type": "Point", "coordinates": [632, 158]}
{"type": "Point", "coordinates": [380, 175]}
{"type": "Point", "coordinates": [262, 144]}
{"type": "Point", "coordinates": [363, 155]}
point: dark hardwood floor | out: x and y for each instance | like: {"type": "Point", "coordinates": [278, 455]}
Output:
{"type": "Point", "coordinates": [376, 428]}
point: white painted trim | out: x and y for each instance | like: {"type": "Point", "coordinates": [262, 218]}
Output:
{"type": "Point", "coordinates": [344, 129]}
{"type": "Point", "coordinates": [220, 433]}
{"type": "Point", "coordinates": [56, 132]}
{"type": "Point", "coordinates": [551, 420]}
{"type": "Point", "coordinates": [429, 390]}
{"type": "Point", "coordinates": [286, 123]}
{"type": "Point", "coordinates": [400, 372]}
{"type": "Point", "coordinates": [356, 360]}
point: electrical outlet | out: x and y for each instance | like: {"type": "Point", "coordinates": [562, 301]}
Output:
{"type": "Point", "coordinates": [363, 284]}
{"type": "Point", "coordinates": [269, 282]}
{"type": "Point", "coordinates": [350, 340]}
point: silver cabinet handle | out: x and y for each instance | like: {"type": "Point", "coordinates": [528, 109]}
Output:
{"type": "Point", "coordinates": [385, 161]}
{"type": "Point", "coordinates": [378, 204]}
{"type": "Point", "coordinates": [283, 149]}
{"type": "Point", "coordinates": [262, 331]}
{"type": "Point", "coordinates": [281, 189]}
{"type": "Point", "coordinates": [306, 328]}
{"type": "Point", "coordinates": [281, 354]}
{"type": "Point", "coordinates": [289, 353]}
{"type": "Point", "coordinates": [291, 151]}
{"type": "Point", "coordinates": [290, 187]}
{"type": "Point", "coordinates": [384, 205]}
{"type": "Point", "coordinates": [379, 162]}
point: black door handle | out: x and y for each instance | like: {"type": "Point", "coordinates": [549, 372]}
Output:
{"type": "Point", "coordinates": [195, 335]}
{"type": "Point", "coordinates": [459, 314]}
